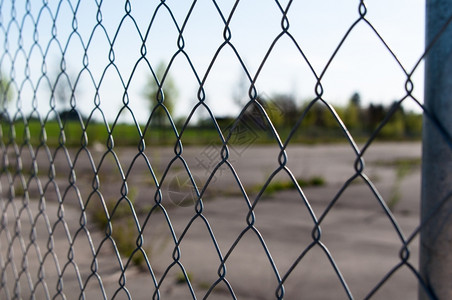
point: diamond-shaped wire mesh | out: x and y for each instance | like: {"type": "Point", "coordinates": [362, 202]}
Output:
{"type": "Point", "coordinates": [103, 198]}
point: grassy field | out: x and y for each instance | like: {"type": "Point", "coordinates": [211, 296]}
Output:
{"type": "Point", "coordinates": [73, 134]}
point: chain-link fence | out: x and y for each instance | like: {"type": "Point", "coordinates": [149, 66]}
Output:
{"type": "Point", "coordinates": [158, 149]}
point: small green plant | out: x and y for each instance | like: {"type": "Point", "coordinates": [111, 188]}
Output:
{"type": "Point", "coordinates": [19, 191]}
{"type": "Point", "coordinates": [400, 162]}
{"type": "Point", "coordinates": [317, 181]}
{"type": "Point", "coordinates": [138, 259]}
{"type": "Point", "coordinates": [122, 221]}
{"type": "Point", "coordinates": [403, 168]}
{"type": "Point", "coordinates": [180, 277]}
{"type": "Point", "coordinates": [99, 216]}
{"type": "Point", "coordinates": [313, 181]}
{"type": "Point", "coordinates": [276, 186]}
{"type": "Point", "coordinates": [124, 238]}
{"type": "Point", "coordinates": [204, 285]}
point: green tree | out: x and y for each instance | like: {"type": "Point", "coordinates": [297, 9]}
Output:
{"type": "Point", "coordinates": [356, 99]}
{"type": "Point", "coordinates": [374, 115]}
{"type": "Point", "coordinates": [161, 92]}
{"type": "Point", "coordinates": [395, 127]}
{"type": "Point", "coordinates": [6, 92]}
{"type": "Point", "coordinates": [352, 113]}
{"type": "Point", "coordinates": [64, 90]}
{"type": "Point", "coordinates": [282, 110]}
{"type": "Point", "coordinates": [65, 95]}
{"type": "Point", "coordinates": [413, 124]}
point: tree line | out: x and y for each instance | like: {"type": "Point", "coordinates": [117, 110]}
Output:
{"type": "Point", "coordinates": [317, 119]}
{"type": "Point", "coordinates": [314, 117]}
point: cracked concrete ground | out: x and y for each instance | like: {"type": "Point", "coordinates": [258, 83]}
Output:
{"type": "Point", "coordinates": [356, 233]}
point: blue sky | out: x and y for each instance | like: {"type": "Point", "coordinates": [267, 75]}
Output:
{"type": "Point", "coordinates": [362, 64]}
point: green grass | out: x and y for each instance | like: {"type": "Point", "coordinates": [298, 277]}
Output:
{"type": "Point", "coordinates": [313, 181]}
{"type": "Point", "coordinates": [204, 285]}
{"type": "Point", "coordinates": [19, 191]}
{"type": "Point", "coordinates": [72, 134]}
{"type": "Point", "coordinates": [277, 185]}
{"type": "Point", "coordinates": [180, 277]}
{"type": "Point", "coordinates": [403, 168]}
{"type": "Point", "coordinates": [124, 231]}
{"type": "Point", "coordinates": [402, 163]}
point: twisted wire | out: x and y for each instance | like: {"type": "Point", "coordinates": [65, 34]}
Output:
{"type": "Point", "coordinates": [42, 179]}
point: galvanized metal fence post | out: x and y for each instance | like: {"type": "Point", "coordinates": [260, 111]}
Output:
{"type": "Point", "coordinates": [436, 207]}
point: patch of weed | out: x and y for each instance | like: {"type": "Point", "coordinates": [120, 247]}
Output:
{"type": "Point", "coordinates": [181, 278]}
{"type": "Point", "coordinates": [125, 238]}
{"type": "Point", "coordinates": [400, 162]}
{"type": "Point", "coordinates": [403, 168]}
{"type": "Point", "coordinates": [124, 231]}
{"type": "Point", "coordinates": [276, 186]}
{"type": "Point", "coordinates": [313, 181]}
{"type": "Point", "coordinates": [204, 285]}
{"type": "Point", "coordinates": [19, 191]}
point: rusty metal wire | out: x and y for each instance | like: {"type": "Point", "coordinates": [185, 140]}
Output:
{"type": "Point", "coordinates": [71, 226]}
